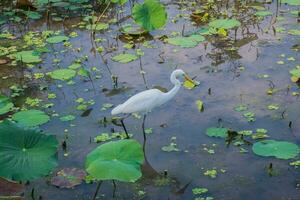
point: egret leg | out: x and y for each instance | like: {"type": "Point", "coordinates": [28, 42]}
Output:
{"type": "Point", "coordinates": [144, 134]}
{"type": "Point", "coordinates": [115, 188]}
{"type": "Point", "coordinates": [127, 135]}
{"type": "Point", "coordinates": [97, 190]}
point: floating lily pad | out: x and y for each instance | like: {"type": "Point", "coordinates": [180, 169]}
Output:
{"type": "Point", "coordinates": [68, 177]}
{"type": "Point", "coordinates": [119, 160]}
{"type": "Point", "coordinates": [217, 132]}
{"type": "Point", "coordinates": [26, 154]}
{"type": "Point", "coordinates": [225, 23]}
{"type": "Point", "coordinates": [57, 39]}
{"type": "Point", "coordinates": [33, 15]}
{"type": "Point", "coordinates": [263, 13]}
{"type": "Point", "coordinates": [121, 2]}
{"type": "Point", "coordinates": [124, 58]}
{"type": "Point", "coordinates": [295, 72]}
{"type": "Point", "coordinates": [132, 30]}
{"type": "Point", "coordinates": [5, 104]}
{"type": "Point", "coordinates": [30, 118]}
{"type": "Point", "coordinates": [27, 56]}
{"type": "Point", "coordinates": [291, 2]}
{"type": "Point", "coordinates": [62, 74]}
{"type": "Point", "coordinates": [97, 27]}
{"type": "Point", "coordinates": [67, 118]}
{"type": "Point", "coordinates": [294, 32]}
{"type": "Point", "coordinates": [186, 42]}
{"type": "Point", "coordinates": [150, 15]}
{"type": "Point", "coordinates": [278, 149]}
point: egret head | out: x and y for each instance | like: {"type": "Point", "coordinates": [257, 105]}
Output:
{"type": "Point", "coordinates": [178, 76]}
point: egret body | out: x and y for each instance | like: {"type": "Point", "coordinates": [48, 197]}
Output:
{"type": "Point", "coordinates": [145, 101]}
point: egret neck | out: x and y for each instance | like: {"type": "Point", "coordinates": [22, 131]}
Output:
{"type": "Point", "coordinates": [177, 84]}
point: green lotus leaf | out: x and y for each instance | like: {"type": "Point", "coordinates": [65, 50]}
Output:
{"type": "Point", "coordinates": [295, 72]}
{"type": "Point", "coordinates": [27, 56]}
{"type": "Point", "coordinates": [118, 160]}
{"type": "Point", "coordinates": [294, 32]}
{"type": "Point", "coordinates": [225, 23]}
{"type": "Point", "coordinates": [291, 2]}
{"type": "Point", "coordinates": [25, 154]}
{"type": "Point", "coordinates": [57, 39]}
{"type": "Point", "coordinates": [263, 13]}
{"type": "Point", "coordinates": [217, 132]}
{"type": "Point", "coordinates": [33, 15]}
{"type": "Point", "coordinates": [278, 149]}
{"type": "Point", "coordinates": [5, 104]}
{"type": "Point", "coordinates": [97, 27]}
{"type": "Point", "coordinates": [186, 42]}
{"type": "Point", "coordinates": [30, 118]}
{"type": "Point", "coordinates": [150, 15]}
{"type": "Point", "coordinates": [124, 58]}
{"type": "Point", "coordinates": [121, 2]}
{"type": "Point", "coordinates": [62, 74]}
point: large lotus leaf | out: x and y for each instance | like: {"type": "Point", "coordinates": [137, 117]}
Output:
{"type": "Point", "coordinates": [295, 72]}
{"type": "Point", "coordinates": [5, 104]}
{"type": "Point", "coordinates": [186, 42]}
{"type": "Point", "coordinates": [28, 56]}
{"type": "Point", "coordinates": [57, 39]}
{"type": "Point", "coordinates": [118, 160]}
{"type": "Point", "coordinates": [68, 177]}
{"type": "Point", "coordinates": [150, 15]}
{"type": "Point", "coordinates": [124, 58]}
{"type": "Point", "coordinates": [217, 132]}
{"type": "Point", "coordinates": [278, 149]}
{"type": "Point", "coordinates": [225, 23]}
{"type": "Point", "coordinates": [30, 118]}
{"type": "Point", "coordinates": [62, 74]}
{"type": "Point", "coordinates": [291, 2]}
{"type": "Point", "coordinates": [25, 154]}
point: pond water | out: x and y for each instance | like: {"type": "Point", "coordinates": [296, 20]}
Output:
{"type": "Point", "coordinates": [236, 69]}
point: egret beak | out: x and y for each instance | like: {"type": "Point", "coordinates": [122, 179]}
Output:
{"type": "Point", "coordinates": [187, 78]}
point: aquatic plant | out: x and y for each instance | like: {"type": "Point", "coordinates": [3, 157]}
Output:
{"type": "Point", "coordinates": [26, 154]}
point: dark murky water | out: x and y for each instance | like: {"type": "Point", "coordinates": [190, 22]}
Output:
{"type": "Point", "coordinates": [232, 81]}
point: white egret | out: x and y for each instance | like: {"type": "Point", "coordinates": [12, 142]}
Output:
{"type": "Point", "coordinates": [145, 101]}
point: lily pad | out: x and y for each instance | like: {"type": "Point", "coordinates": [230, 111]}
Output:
{"type": "Point", "coordinates": [217, 132]}
{"type": "Point", "coordinates": [57, 39]}
{"type": "Point", "coordinates": [97, 27]}
{"type": "Point", "coordinates": [124, 58]}
{"type": "Point", "coordinates": [132, 30]}
{"type": "Point", "coordinates": [278, 149]}
{"type": "Point", "coordinates": [295, 72]}
{"type": "Point", "coordinates": [118, 160]}
{"type": "Point", "coordinates": [5, 104]}
{"type": "Point", "coordinates": [294, 32]}
{"type": "Point", "coordinates": [263, 13]}
{"type": "Point", "coordinates": [62, 74]}
{"type": "Point", "coordinates": [30, 118]}
{"type": "Point", "coordinates": [186, 42]}
{"type": "Point", "coordinates": [150, 15]}
{"type": "Point", "coordinates": [27, 56]}
{"type": "Point", "coordinates": [67, 118]}
{"type": "Point", "coordinates": [68, 177]}
{"type": "Point", "coordinates": [291, 2]}
{"type": "Point", "coordinates": [26, 154]}
{"type": "Point", "coordinates": [225, 23]}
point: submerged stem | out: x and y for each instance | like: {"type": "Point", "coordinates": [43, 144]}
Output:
{"type": "Point", "coordinates": [97, 190]}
